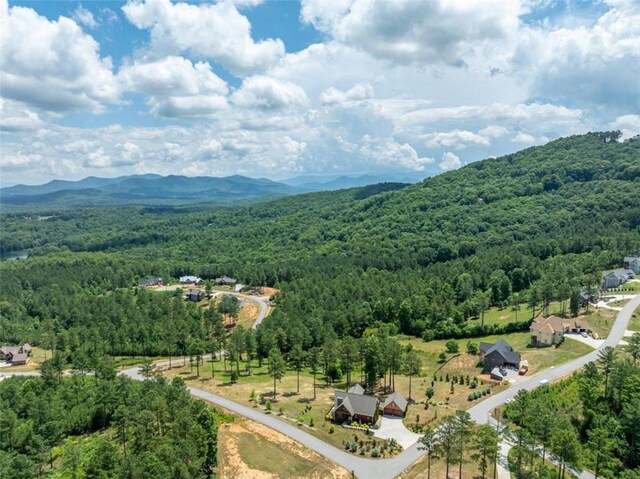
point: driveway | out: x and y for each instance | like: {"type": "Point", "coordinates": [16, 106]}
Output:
{"type": "Point", "coordinates": [391, 427]}
{"type": "Point", "coordinates": [390, 468]}
{"type": "Point", "coordinates": [589, 341]}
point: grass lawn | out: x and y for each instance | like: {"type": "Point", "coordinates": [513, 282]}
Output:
{"type": "Point", "coordinates": [497, 315]}
{"type": "Point", "coordinates": [600, 321]}
{"type": "Point", "coordinates": [249, 449]}
{"type": "Point", "coordinates": [469, 469]}
{"type": "Point", "coordinates": [527, 471]}
{"type": "Point", "coordinates": [292, 407]}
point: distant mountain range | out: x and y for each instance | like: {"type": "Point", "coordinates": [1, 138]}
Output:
{"type": "Point", "coordinates": [339, 182]}
{"type": "Point", "coordinates": [154, 189]}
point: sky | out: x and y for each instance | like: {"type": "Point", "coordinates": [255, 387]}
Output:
{"type": "Point", "coordinates": [277, 89]}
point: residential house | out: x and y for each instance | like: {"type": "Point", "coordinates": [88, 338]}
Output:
{"type": "Point", "coordinates": [194, 294]}
{"type": "Point", "coordinates": [616, 278]}
{"type": "Point", "coordinates": [190, 279]}
{"type": "Point", "coordinates": [574, 326]}
{"type": "Point", "coordinates": [20, 359]}
{"type": "Point", "coordinates": [395, 405]}
{"type": "Point", "coordinates": [355, 406]}
{"type": "Point", "coordinates": [225, 280]}
{"type": "Point", "coordinates": [145, 283]}
{"type": "Point", "coordinates": [16, 355]}
{"type": "Point", "coordinates": [499, 354]}
{"type": "Point", "coordinates": [546, 331]}
{"type": "Point", "coordinates": [632, 263]}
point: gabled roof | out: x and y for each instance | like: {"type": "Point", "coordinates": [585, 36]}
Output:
{"type": "Point", "coordinates": [398, 399]}
{"type": "Point", "coordinates": [356, 389]}
{"type": "Point", "coordinates": [360, 404]}
{"type": "Point", "coordinates": [629, 259]}
{"type": "Point", "coordinates": [619, 273]}
{"type": "Point", "coordinates": [19, 357]}
{"type": "Point", "coordinates": [502, 348]}
{"type": "Point", "coordinates": [191, 291]}
{"type": "Point", "coordinates": [225, 279]}
{"type": "Point", "coordinates": [551, 324]}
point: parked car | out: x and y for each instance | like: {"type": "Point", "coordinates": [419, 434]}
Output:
{"type": "Point", "coordinates": [584, 334]}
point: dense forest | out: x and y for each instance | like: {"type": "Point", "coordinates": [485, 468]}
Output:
{"type": "Point", "coordinates": [104, 426]}
{"type": "Point", "coordinates": [530, 227]}
{"type": "Point", "coordinates": [590, 421]}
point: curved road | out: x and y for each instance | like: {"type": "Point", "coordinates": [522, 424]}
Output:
{"type": "Point", "coordinates": [264, 308]}
{"type": "Point", "coordinates": [390, 468]}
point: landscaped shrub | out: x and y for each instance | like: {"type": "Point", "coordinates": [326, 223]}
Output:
{"type": "Point", "coordinates": [331, 430]}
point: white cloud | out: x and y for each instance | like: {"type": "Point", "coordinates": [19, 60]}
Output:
{"type": "Point", "coordinates": [525, 138]}
{"type": "Point", "coordinates": [361, 91]}
{"type": "Point", "coordinates": [598, 64]}
{"type": "Point", "coordinates": [267, 93]}
{"type": "Point", "coordinates": [493, 131]}
{"type": "Point", "coordinates": [69, 73]}
{"type": "Point", "coordinates": [450, 161]}
{"type": "Point", "coordinates": [629, 125]}
{"type": "Point", "coordinates": [177, 88]}
{"type": "Point", "coordinates": [407, 32]}
{"type": "Point", "coordinates": [218, 32]}
{"type": "Point", "coordinates": [84, 17]}
{"type": "Point", "coordinates": [456, 139]}
{"type": "Point", "coordinates": [15, 117]}
{"type": "Point", "coordinates": [391, 153]}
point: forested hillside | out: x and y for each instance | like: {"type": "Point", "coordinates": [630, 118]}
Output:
{"type": "Point", "coordinates": [102, 427]}
{"type": "Point", "coordinates": [532, 227]}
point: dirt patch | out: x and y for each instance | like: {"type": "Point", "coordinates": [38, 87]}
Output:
{"type": "Point", "coordinates": [296, 461]}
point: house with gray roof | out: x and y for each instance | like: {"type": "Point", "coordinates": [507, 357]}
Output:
{"type": "Point", "coordinates": [498, 354]}
{"type": "Point", "coordinates": [225, 280]}
{"type": "Point", "coordinates": [145, 283]}
{"type": "Point", "coordinates": [632, 263]}
{"type": "Point", "coordinates": [16, 355]}
{"type": "Point", "coordinates": [616, 278]}
{"type": "Point", "coordinates": [194, 294]}
{"type": "Point", "coordinates": [355, 406]}
{"type": "Point", "coordinates": [395, 405]}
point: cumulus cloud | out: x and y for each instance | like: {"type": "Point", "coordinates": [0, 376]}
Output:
{"type": "Point", "coordinates": [456, 139]}
{"type": "Point", "coordinates": [177, 87]}
{"type": "Point", "coordinates": [267, 93]}
{"type": "Point", "coordinates": [450, 161]}
{"type": "Point", "coordinates": [391, 153]}
{"type": "Point", "coordinates": [525, 138]}
{"type": "Point", "coordinates": [361, 91]}
{"type": "Point", "coordinates": [215, 31]}
{"type": "Point", "coordinates": [629, 125]}
{"type": "Point", "coordinates": [597, 64]}
{"type": "Point", "coordinates": [410, 32]}
{"type": "Point", "coordinates": [69, 73]}
{"type": "Point", "coordinates": [15, 117]}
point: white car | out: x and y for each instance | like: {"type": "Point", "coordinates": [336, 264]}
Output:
{"type": "Point", "coordinates": [544, 381]}
{"type": "Point", "coordinates": [584, 334]}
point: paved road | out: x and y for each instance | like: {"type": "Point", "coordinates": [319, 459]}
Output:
{"type": "Point", "coordinates": [264, 308]}
{"type": "Point", "coordinates": [390, 468]}
{"type": "Point", "coordinates": [480, 412]}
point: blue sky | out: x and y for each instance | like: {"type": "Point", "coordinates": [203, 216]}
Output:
{"type": "Point", "coordinates": [284, 88]}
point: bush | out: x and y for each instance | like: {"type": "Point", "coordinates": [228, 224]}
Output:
{"type": "Point", "coordinates": [474, 384]}
{"type": "Point", "coordinates": [311, 424]}
{"type": "Point", "coordinates": [268, 406]}
{"type": "Point", "coordinates": [331, 430]}
{"type": "Point", "coordinates": [452, 346]}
